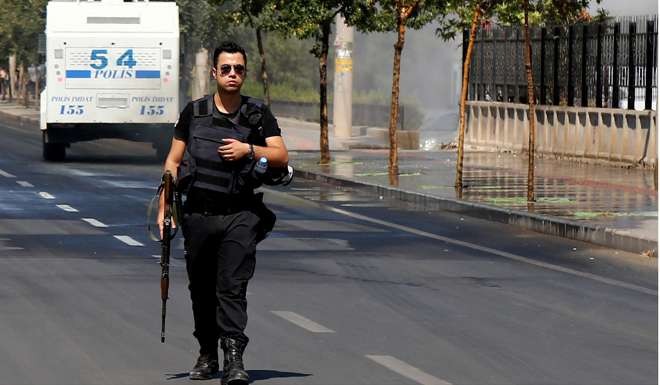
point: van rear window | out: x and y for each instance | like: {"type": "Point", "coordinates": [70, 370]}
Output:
{"type": "Point", "coordinates": [113, 20]}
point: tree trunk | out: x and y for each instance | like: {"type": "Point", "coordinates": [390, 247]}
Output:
{"type": "Point", "coordinates": [323, 74]}
{"type": "Point", "coordinates": [37, 96]}
{"type": "Point", "coordinates": [186, 68]}
{"type": "Point", "coordinates": [464, 91]}
{"type": "Point", "coordinates": [394, 106]}
{"type": "Point", "coordinates": [12, 77]}
{"type": "Point", "coordinates": [264, 73]}
{"type": "Point", "coordinates": [23, 80]}
{"type": "Point", "coordinates": [532, 106]}
{"type": "Point", "coordinates": [200, 78]}
{"type": "Point", "coordinates": [403, 12]}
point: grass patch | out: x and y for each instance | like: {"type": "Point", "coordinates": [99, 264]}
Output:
{"type": "Point", "coordinates": [512, 201]}
{"type": "Point", "coordinates": [385, 173]}
{"type": "Point", "coordinates": [590, 214]}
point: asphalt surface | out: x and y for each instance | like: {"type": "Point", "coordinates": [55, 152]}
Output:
{"type": "Point", "coordinates": [349, 288]}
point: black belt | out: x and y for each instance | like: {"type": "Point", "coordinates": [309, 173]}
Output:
{"type": "Point", "coordinates": [215, 210]}
{"type": "Point", "coordinates": [211, 203]}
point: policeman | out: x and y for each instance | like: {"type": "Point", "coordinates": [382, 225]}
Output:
{"type": "Point", "coordinates": [216, 142]}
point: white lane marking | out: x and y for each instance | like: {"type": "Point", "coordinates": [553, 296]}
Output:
{"type": "Point", "coordinates": [23, 183]}
{"type": "Point", "coordinates": [406, 370]}
{"type": "Point", "coordinates": [67, 208]}
{"type": "Point", "coordinates": [375, 204]}
{"type": "Point", "coordinates": [8, 248]}
{"type": "Point", "coordinates": [500, 253]}
{"type": "Point", "coordinates": [46, 195]}
{"type": "Point", "coordinates": [301, 321]}
{"type": "Point", "coordinates": [94, 222]}
{"type": "Point", "coordinates": [6, 174]}
{"type": "Point", "coordinates": [128, 240]}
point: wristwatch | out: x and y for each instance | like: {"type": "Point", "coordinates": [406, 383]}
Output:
{"type": "Point", "coordinates": [250, 154]}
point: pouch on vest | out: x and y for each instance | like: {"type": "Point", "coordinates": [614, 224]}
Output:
{"type": "Point", "coordinates": [247, 180]}
{"type": "Point", "coordinates": [267, 218]}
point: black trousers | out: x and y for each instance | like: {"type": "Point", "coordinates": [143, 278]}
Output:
{"type": "Point", "coordinates": [220, 260]}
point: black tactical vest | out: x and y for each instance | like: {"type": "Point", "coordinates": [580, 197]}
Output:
{"type": "Point", "coordinates": [202, 166]}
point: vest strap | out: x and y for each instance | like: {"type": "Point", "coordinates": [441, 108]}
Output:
{"type": "Point", "coordinates": [203, 107]}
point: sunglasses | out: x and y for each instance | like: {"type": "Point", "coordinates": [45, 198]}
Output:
{"type": "Point", "coordinates": [225, 69]}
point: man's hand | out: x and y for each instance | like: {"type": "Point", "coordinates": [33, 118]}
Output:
{"type": "Point", "coordinates": [161, 216]}
{"type": "Point", "coordinates": [233, 150]}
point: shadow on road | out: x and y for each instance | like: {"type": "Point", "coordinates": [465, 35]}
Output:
{"type": "Point", "coordinates": [112, 159]}
{"type": "Point", "coordinates": [255, 375]}
{"type": "Point", "coordinates": [258, 375]}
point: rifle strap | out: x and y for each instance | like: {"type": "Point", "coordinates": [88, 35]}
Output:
{"type": "Point", "coordinates": [152, 221]}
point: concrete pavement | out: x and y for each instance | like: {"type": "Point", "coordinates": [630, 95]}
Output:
{"type": "Point", "coordinates": [611, 206]}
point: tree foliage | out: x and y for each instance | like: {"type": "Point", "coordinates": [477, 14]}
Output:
{"type": "Point", "coordinates": [517, 13]}
{"type": "Point", "coordinates": [543, 12]}
{"type": "Point", "coordinates": [313, 20]}
{"type": "Point", "coordinates": [303, 20]}
{"type": "Point", "coordinates": [21, 23]}
{"type": "Point", "coordinates": [397, 16]}
{"type": "Point", "coordinates": [381, 16]}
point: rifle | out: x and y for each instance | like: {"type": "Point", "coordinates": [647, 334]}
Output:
{"type": "Point", "coordinates": [168, 194]}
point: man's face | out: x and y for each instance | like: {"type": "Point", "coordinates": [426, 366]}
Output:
{"type": "Point", "coordinates": [229, 72]}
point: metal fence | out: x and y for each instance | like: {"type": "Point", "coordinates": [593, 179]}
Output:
{"type": "Point", "coordinates": [611, 64]}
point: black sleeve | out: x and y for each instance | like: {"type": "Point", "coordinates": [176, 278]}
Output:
{"type": "Point", "coordinates": [182, 126]}
{"type": "Point", "coordinates": [269, 124]}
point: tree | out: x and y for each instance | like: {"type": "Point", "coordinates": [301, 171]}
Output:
{"type": "Point", "coordinates": [199, 22]}
{"type": "Point", "coordinates": [508, 12]}
{"type": "Point", "coordinates": [467, 14]}
{"type": "Point", "coordinates": [531, 100]}
{"type": "Point", "coordinates": [395, 15]}
{"type": "Point", "coordinates": [259, 15]}
{"type": "Point", "coordinates": [541, 12]}
{"type": "Point", "coordinates": [314, 19]}
{"type": "Point", "coordinates": [21, 23]}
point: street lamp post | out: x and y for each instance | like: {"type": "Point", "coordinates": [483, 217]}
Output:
{"type": "Point", "coordinates": [343, 81]}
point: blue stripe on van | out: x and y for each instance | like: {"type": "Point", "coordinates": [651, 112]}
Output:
{"type": "Point", "coordinates": [147, 74]}
{"type": "Point", "coordinates": [78, 74]}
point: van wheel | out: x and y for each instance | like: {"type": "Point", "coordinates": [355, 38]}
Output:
{"type": "Point", "coordinates": [54, 152]}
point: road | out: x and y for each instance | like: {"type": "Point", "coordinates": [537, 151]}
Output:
{"type": "Point", "coordinates": [349, 288]}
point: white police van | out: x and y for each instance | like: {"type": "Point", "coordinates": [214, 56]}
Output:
{"type": "Point", "coordinates": [112, 72]}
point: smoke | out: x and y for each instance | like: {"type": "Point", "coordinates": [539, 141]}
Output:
{"type": "Point", "coordinates": [627, 8]}
{"type": "Point", "coordinates": [430, 77]}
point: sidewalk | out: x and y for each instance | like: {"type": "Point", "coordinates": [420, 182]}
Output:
{"type": "Point", "coordinates": [610, 206]}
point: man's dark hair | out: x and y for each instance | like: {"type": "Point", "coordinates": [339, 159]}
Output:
{"type": "Point", "coordinates": [229, 47]}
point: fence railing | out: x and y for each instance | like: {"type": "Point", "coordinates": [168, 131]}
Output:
{"type": "Point", "coordinates": [611, 64]}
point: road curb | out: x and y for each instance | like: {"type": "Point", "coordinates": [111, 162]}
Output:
{"type": "Point", "coordinates": [599, 235]}
{"type": "Point", "coordinates": [19, 121]}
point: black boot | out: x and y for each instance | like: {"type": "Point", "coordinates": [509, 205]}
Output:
{"type": "Point", "coordinates": [233, 372]}
{"type": "Point", "coordinates": [206, 367]}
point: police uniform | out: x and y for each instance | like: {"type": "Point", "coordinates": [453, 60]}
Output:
{"type": "Point", "coordinates": [223, 219]}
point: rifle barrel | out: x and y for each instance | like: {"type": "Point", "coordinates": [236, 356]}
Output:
{"type": "Point", "coordinates": [168, 191]}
